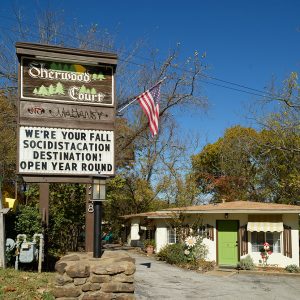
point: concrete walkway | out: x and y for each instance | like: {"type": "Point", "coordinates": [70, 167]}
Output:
{"type": "Point", "coordinates": [158, 280]}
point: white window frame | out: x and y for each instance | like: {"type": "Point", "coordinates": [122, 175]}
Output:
{"type": "Point", "coordinates": [265, 238]}
{"type": "Point", "coordinates": [174, 232]}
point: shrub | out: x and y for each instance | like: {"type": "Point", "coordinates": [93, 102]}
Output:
{"type": "Point", "coordinates": [246, 263]}
{"type": "Point", "coordinates": [149, 243]}
{"type": "Point", "coordinates": [173, 254]}
{"type": "Point", "coordinates": [28, 221]}
{"type": "Point", "coordinates": [292, 269]}
{"type": "Point", "coordinates": [205, 266]}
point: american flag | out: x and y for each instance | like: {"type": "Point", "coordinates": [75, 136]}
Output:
{"type": "Point", "coordinates": [149, 101]}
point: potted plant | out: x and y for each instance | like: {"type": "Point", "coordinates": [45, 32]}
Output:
{"type": "Point", "coordinates": [149, 246]}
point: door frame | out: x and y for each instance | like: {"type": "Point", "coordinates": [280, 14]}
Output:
{"type": "Point", "coordinates": [217, 239]}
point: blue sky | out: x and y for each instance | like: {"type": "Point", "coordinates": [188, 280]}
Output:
{"type": "Point", "coordinates": [246, 42]}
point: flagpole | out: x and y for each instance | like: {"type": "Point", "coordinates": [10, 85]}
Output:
{"type": "Point", "coordinates": [135, 98]}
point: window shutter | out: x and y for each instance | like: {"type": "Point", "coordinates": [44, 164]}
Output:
{"type": "Point", "coordinates": [210, 232]}
{"type": "Point", "coordinates": [243, 237]}
{"type": "Point", "coordinates": [287, 241]}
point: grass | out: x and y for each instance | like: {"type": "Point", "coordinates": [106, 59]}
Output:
{"type": "Point", "coordinates": [25, 285]}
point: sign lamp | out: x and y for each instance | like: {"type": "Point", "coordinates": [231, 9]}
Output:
{"type": "Point", "coordinates": [98, 195]}
{"type": "Point", "coordinates": [99, 190]}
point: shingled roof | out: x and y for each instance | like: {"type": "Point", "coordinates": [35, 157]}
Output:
{"type": "Point", "coordinates": [226, 207]}
{"type": "Point", "coordinates": [240, 205]}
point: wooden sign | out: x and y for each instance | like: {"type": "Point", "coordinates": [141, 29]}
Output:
{"type": "Point", "coordinates": [53, 114]}
{"type": "Point", "coordinates": [57, 81]}
{"type": "Point", "coordinates": [66, 113]}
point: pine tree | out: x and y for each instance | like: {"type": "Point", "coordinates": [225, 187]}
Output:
{"type": "Point", "coordinates": [35, 91]}
{"type": "Point", "coordinates": [53, 66]}
{"type": "Point", "coordinates": [66, 67]}
{"type": "Point", "coordinates": [59, 67]}
{"type": "Point", "coordinates": [43, 91]}
{"type": "Point", "coordinates": [95, 76]}
{"type": "Point", "coordinates": [51, 90]}
{"type": "Point", "coordinates": [101, 76]}
{"type": "Point", "coordinates": [59, 89]}
{"type": "Point", "coordinates": [93, 91]}
{"type": "Point", "coordinates": [72, 68]}
{"type": "Point", "coordinates": [88, 91]}
{"type": "Point", "coordinates": [82, 89]}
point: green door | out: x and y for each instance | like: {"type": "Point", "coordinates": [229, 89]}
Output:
{"type": "Point", "coordinates": [228, 242]}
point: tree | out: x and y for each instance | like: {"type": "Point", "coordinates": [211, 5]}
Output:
{"type": "Point", "coordinates": [43, 91]}
{"type": "Point", "coordinates": [82, 89]}
{"type": "Point", "coordinates": [227, 169]}
{"type": "Point", "coordinates": [51, 90]}
{"type": "Point", "coordinates": [53, 66]}
{"type": "Point", "coordinates": [59, 89]}
{"type": "Point", "coordinates": [8, 146]}
{"type": "Point", "coordinates": [100, 76]}
{"type": "Point", "coordinates": [139, 156]}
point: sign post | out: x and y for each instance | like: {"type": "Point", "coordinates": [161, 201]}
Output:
{"type": "Point", "coordinates": [66, 116]}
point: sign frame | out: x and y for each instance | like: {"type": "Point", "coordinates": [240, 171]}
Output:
{"type": "Point", "coordinates": [66, 55]}
{"type": "Point", "coordinates": [65, 101]}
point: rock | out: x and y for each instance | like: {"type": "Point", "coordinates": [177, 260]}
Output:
{"type": "Point", "coordinates": [117, 287]}
{"type": "Point", "coordinates": [79, 281]}
{"type": "Point", "coordinates": [100, 278]}
{"type": "Point", "coordinates": [95, 286]}
{"type": "Point", "coordinates": [70, 257]}
{"type": "Point", "coordinates": [129, 267]}
{"type": "Point", "coordinates": [86, 287]}
{"type": "Point", "coordinates": [124, 297]}
{"type": "Point", "coordinates": [99, 270]}
{"type": "Point", "coordinates": [66, 291]}
{"type": "Point", "coordinates": [124, 278]}
{"type": "Point", "coordinates": [63, 279]}
{"type": "Point", "coordinates": [115, 269]}
{"type": "Point", "coordinates": [66, 298]}
{"type": "Point", "coordinates": [79, 270]}
{"type": "Point", "coordinates": [98, 296]}
{"type": "Point", "coordinates": [60, 267]}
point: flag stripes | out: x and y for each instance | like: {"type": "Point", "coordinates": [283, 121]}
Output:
{"type": "Point", "coordinates": [149, 102]}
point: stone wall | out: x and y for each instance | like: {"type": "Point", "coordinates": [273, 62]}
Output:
{"type": "Point", "coordinates": [82, 277]}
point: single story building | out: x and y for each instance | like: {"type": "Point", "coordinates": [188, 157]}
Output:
{"type": "Point", "coordinates": [231, 230]}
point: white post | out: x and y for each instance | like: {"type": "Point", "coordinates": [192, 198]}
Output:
{"type": "Point", "coordinates": [134, 232]}
{"type": "Point", "coordinates": [3, 211]}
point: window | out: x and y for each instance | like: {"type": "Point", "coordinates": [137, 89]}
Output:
{"type": "Point", "coordinates": [172, 236]}
{"type": "Point", "coordinates": [202, 231]}
{"type": "Point", "coordinates": [259, 238]}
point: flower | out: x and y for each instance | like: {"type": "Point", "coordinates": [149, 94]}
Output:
{"type": "Point", "coordinates": [190, 241]}
{"type": "Point", "coordinates": [265, 252]}
{"type": "Point", "coordinates": [266, 246]}
{"type": "Point", "coordinates": [186, 252]}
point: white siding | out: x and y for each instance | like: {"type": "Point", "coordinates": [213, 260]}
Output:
{"type": "Point", "coordinates": [279, 259]}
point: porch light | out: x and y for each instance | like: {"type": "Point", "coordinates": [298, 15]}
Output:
{"type": "Point", "coordinates": [99, 189]}
{"type": "Point", "coordinates": [226, 216]}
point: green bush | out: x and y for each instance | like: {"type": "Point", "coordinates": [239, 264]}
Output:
{"type": "Point", "coordinates": [173, 254]}
{"type": "Point", "coordinates": [246, 263]}
{"type": "Point", "coordinates": [149, 243]}
{"type": "Point", "coordinates": [292, 269]}
{"type": "Point", "coordinates": [28, 221]}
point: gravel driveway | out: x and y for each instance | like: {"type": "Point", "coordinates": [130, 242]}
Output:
{"type": "Point", "coordinates": [158, 280]}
